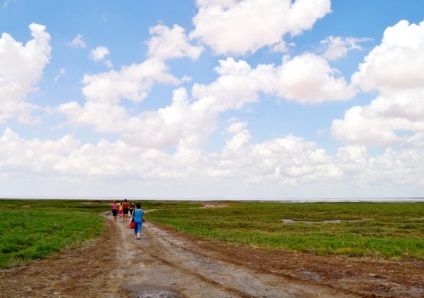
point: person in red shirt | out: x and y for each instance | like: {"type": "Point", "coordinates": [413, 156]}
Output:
{"type": "Point", "coordinates": [126, 208]}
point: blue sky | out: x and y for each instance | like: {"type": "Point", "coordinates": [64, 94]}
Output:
{"type": "Point", "coordinates": [212, 99]}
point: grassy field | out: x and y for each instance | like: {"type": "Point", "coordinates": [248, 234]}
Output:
{"type": "Point", "coordinates": [35, 229]}
{"type": "Point", "coordinates": [386, 230]}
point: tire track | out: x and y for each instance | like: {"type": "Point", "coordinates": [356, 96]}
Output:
{"type": "Point", "coordinates": [163, 262]}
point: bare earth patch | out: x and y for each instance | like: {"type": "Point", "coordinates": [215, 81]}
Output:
{"type": "Point", "coordinates": [166, 263]}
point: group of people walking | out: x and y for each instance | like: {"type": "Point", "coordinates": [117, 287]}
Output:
{"type": "Point", "coordinates": [129, 212]}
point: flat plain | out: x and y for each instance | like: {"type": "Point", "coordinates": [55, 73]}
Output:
{"type": "Point", "coordinates": [290, 249]}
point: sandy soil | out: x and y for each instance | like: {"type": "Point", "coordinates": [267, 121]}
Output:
{"type": "Point", "coordinates": [165, 263]}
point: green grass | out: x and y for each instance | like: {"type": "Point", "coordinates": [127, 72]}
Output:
{"type": "Point", "coordinates": [36, 233]}
{"type": "Point", "coordinates": [37, 229]}
{"type": "Point", "coordinates": [384, 230]}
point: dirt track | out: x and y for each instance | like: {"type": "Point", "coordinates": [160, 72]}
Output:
{"type": "Point", "coordinates": [163, 264]}
{"type": "Point", "coordinates": [168, 264]}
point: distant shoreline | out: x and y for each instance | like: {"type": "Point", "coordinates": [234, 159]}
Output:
{"type": "Point", "coordinates": [292, 200]}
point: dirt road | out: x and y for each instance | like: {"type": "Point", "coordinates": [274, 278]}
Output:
{"type": "Point", "coordinates": [162, 264]}
{"type": "Point", "coordinates": [165, 263]}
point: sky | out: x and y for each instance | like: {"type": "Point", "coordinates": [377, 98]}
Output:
{"type": "Point", "coordinates": [212, 99]}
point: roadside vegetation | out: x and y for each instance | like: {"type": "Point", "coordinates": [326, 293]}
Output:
{"type": "Point", "coordinates": [382, 230]}
{"type": "Point", "coordinates": [37, 229]}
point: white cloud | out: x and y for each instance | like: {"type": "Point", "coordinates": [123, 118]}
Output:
{"type": "Point", "coordinates": [238, 143]}
{"type": "Point", "coordinates": [103, 116]}
{"type": "Point", "coordinates": [388, 120]}
{"type": "Point", "coordinates": [168, 145]}
{"type": "Point", "coordinates": [307, 79]}
{"type": "Point", "coordinates": [398, 167]}
{"type": "Point", "coordinates": [104, 159]}
{"type": "Point", "coordinates": [78, 42]}
{"type": "Point", "coordinates": [32, 156]}
{"type": "Point", "coordinates": [358, 127]}
{"type": "Point", "coordinates": [21, 67]}
{"type": "Point", "coordinates": [397, 62]}
{"type": "Point", "coordinates": [236, 127]}
{"type": "Point", "coordinates": [171, 43]}
{"type": "Point", "coordinates": [280, 47]}
{"type": "Point", "coordinates": [401, 167]}
{"type": "Point", "coordinates": [237, 85]}
{"type": "Point", "coordinates": [338, 47]}
{"type": "Point", "coordinates": [394, 69]}
{"type": "Point", "coordinates": [131, 82]}
{"type": "Point", "coordinates": [352, 160]}
{"type": "Point", "coordinates": [283, 161]}
{"type": "Point", "coordinates": [240, 160]}
{"type": "Point", "coordinates": [241, 27]}
{"type": "Point", "coordinates": [310, 79]}
{"type": "Point", "coordinates": [184, 122]}
{"type": "Point", "coordinates": [105, 91]}
{"type": "Point", "coordinates": [282, 165]}
{"type": "Point", "coordinates": [101, 54]}
{"type": "Point", "coordinates": [187, 123]}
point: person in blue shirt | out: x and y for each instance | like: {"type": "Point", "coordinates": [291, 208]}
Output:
{"type": "Point", "coordinates": [138, 220]}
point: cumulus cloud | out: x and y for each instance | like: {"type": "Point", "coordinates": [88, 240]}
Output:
{"type": "Point", "coordinates": [359, 127]}
{"type": "Point", "coordinates": [236, 127]}
{"type": "Point", "coordinates": [397, 62]}
{"type": "Point", "coordinates": [394, 69]}
{"type": "Point", "coordinates": [186, 122]}
{"type": "Point", "coordinates": [32, 156]}
{"type": "Point", "coordinates": [306, 78]}
{"type": "Point", "coordinates": [237, 84]}
{"type": "Point", "coordinates": [290, 161]}
{"type": "Point", "coordinates": [387, 120]}
{"type": "Point", "coordinates": [104, 93]}
{"type": "Point", "coordinates": [131, 82]}
{"type": "Point", "coordinates": [171, 43]}
{"type": "Point", "coordinates": [168, 143]}
{"type": "Point", "coordinates": [182, 124]}
{"type": "Point", "coordinates": [104, 159]}
{"type": "Point", "coordinates": [240, 160]}
{"type": "Point", "coordinates": [338, 47]}
{"type": "Point", "coordinates": [310, 79]}
{"type": "Point", "coordinates": [21, 67]}
{"type": "Point", "coordinates": [283, 161]}
{"type": "Point", "coordinates": [189, 120]}
{"type": "Point", "coordinates": [101, 54]}
{"type": "Point", "coordinates": [241, 27]}
{"type": "Point", "coordinates": [398, 167]}
{"type": "Point", "coordinates": [249, 168]}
